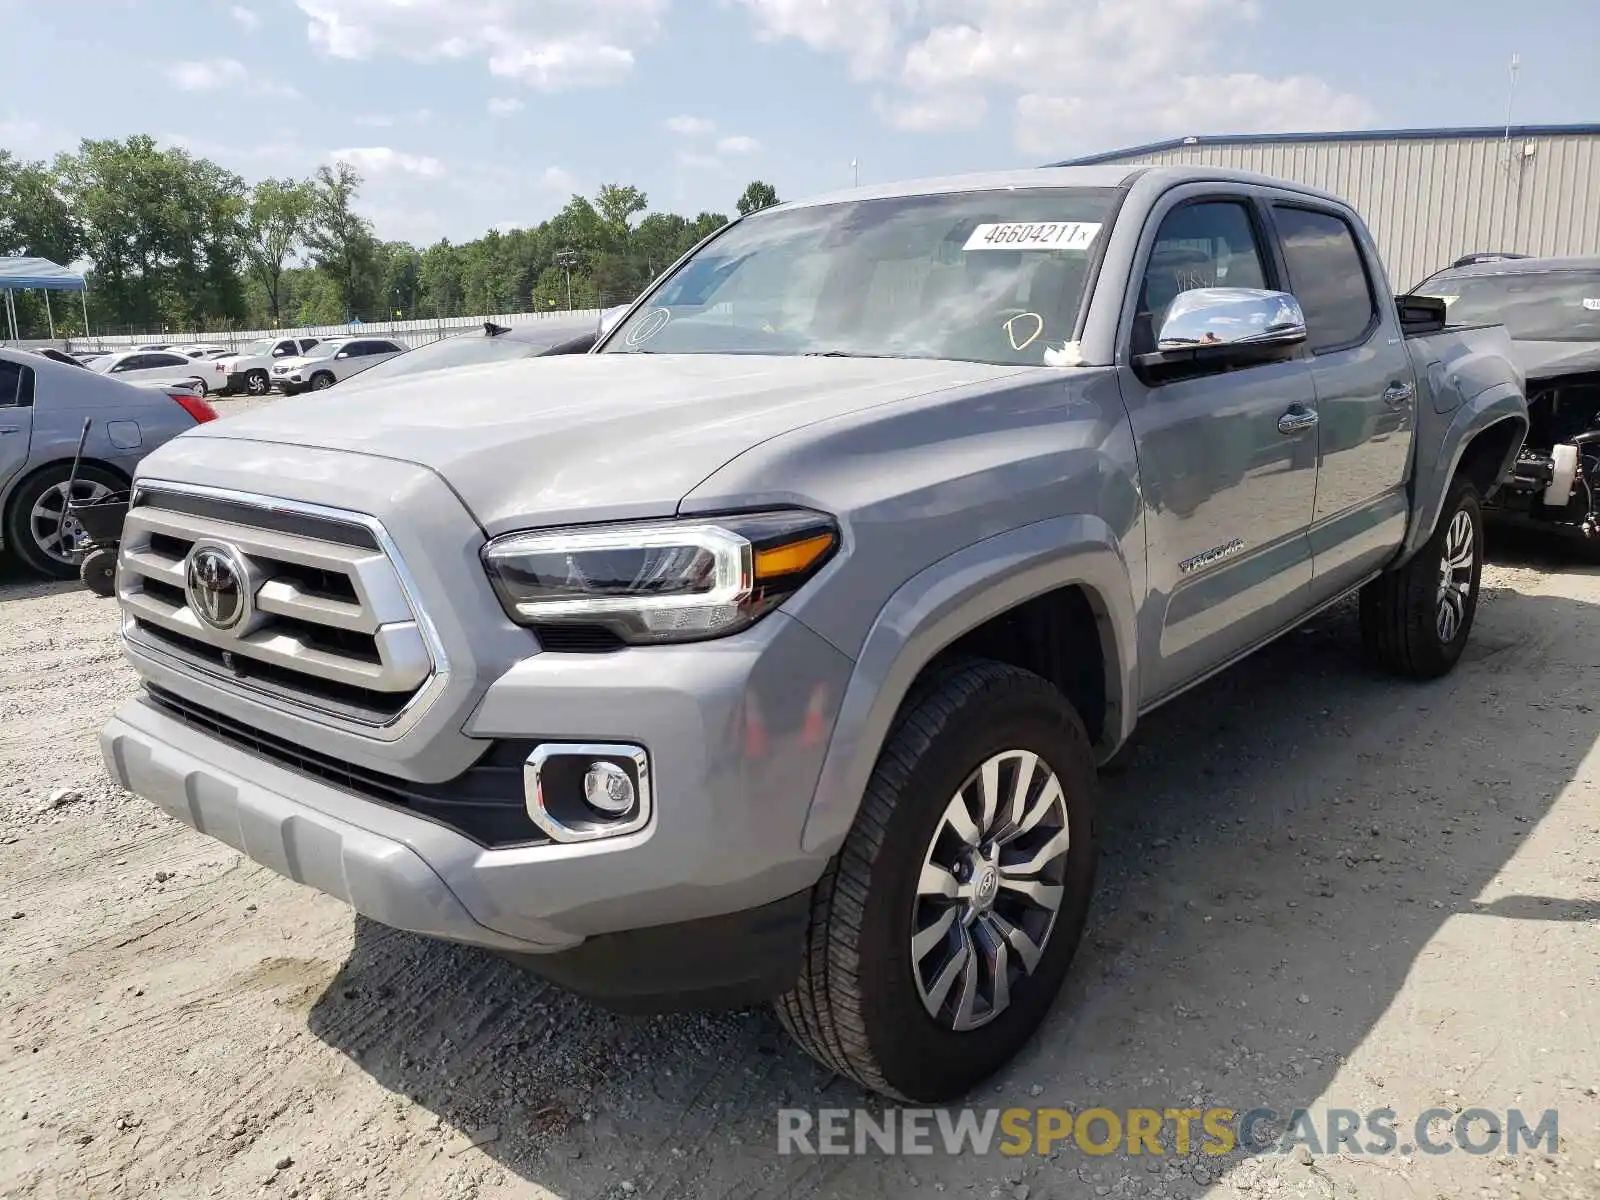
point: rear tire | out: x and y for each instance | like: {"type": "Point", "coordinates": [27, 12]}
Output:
{"type": "Point", "coordinates": [99, 571]}
{"type": "Point", "coordinates": [869, 1003]}
{"type": "Point", "coordinates": [1415, 620]}
{"type": "Point", "coordinates": [257, 383]}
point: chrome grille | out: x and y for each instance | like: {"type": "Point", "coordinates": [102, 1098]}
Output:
{"type": "Point", "coordinates": [329, 623]}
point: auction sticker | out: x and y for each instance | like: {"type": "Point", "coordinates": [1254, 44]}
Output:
{"type": "Point", "coordinates": [1033, 235]}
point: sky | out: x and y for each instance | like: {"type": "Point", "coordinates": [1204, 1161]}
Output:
{"type": "Point", "coordinates": [464, 115]}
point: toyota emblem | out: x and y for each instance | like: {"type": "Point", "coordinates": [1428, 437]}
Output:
{"type": "Point", "coordinates": [216, 584]}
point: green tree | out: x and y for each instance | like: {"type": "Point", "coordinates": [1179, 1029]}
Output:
{"type": "Point", "coordinates": [275, 226]}
{"type": "Point", "coordinates": [340, 239]}
{"type": "Point", "coordinates": [34, 216]}
{"type": "Point", "coordinates": [758, 195]}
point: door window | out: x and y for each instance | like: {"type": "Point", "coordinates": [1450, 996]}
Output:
{"type": "Point", "coordinates": [283, 349]}
{"type": "Point", "coordinates": [1328, 275]}
{"type": "Point", "coordinates": [16, 385]}
{"type": "Point", "coordinates": [137, 362]}
{"type": "Point", "coordinates": [166, 360]}
{"type": "Point", "coordinates": [1212, 243]}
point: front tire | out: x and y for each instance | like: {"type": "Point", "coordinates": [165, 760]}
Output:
{"type": "Point", "coordinates": [1415, 621]}
{"type": "Point", "coordinates": [322, 381]}
{"type": "Point", "coordinates": [941, 932]}
{"type": "Point", "coordinates": [256, 383]}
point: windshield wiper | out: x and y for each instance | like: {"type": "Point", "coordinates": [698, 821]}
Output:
{"type": "Point", "coordinates": [847, 354]}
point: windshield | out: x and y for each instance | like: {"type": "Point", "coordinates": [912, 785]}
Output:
{"type": "Point", "coordinates": [473, 349]}
{"type": "Point", "coordinates": [981, 276]}
{"type": "Point", "coordinates": [264, 346]}
{"type": "Point", "coordinates": [1553, 306]}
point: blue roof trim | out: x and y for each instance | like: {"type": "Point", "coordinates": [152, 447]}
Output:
{"type": "Point", "coordinates": [1357, 135]}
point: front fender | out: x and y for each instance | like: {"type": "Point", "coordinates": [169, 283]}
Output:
{"type": "Point", "coordinates": [1438, 457]}
{"type": "Point", "coordinates": [951, 597]}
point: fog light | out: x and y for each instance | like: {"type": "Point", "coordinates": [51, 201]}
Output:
{"type": "Point", "coordinates": [607, 789]}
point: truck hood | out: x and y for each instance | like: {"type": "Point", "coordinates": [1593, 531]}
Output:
{"type": "Point", "coordinates": [1545, 360]}
{"type": "Point", "coordinates": [591, 437]}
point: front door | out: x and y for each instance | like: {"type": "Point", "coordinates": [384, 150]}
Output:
{"type": "Point", "coordinates": [16, 418]}
{"type": "Point", "coordinates": [1366, 401]}
{"type": "Point", "coordinates": [1227, 461]}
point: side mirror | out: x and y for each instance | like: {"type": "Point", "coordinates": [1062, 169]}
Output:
{"type": "Point", "coordinates": [342, 354]}
{"type": "Point", "coordinates": [1232, 324]}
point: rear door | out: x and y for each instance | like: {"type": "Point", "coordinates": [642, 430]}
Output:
{"type": "Point", "coordinates": [16, 418]}
{"type": "Point", "coordinates": [1229, 484]}
{"type": "Point", "coordinates": [1365, 389]}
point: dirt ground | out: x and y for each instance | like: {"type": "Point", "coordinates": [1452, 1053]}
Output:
{"type": "Point", "coordinates": [1320, 889]}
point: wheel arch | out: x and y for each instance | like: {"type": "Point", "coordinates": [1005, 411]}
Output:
{"type": "Point", "coordinates": [1000, 598]}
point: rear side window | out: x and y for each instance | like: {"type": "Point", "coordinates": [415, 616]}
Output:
{"type": "Point", "coordinates": [16, 385]}
{"type": "Point", "coordinates": [1328, 275]}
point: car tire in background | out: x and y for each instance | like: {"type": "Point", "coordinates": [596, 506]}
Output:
{"type": "Point", "coordinates": [1415, 621]}
{"type": "Point", "coordinates": [30, 515]}
{"type": "Point", "coordinates": [973, 851]}
{"type": "Point", "coordinates": [257, 383]}
{"type": "Point", "coordinates": [322, 381]}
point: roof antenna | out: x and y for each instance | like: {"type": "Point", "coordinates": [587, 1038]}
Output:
{"type": "Point", "coordinates": [1511, 96]}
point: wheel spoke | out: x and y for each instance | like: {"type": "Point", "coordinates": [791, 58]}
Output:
{"type": "Point", "coordinates": [1045, 895]}
{"type": "Point", "coordinates": [933, 935]}
{"type": "Point", "coordinates": [1048, 798]}
{"type": "Point", "coordinates": [989, 794]}
{"type": "Point", "coordinates": [1026, 763]}
{"type": "Point", "coordinates": [936, 881]}
{"type": "Point", "coordinates": [997, 958]}
{"type": "Point", "coordinates": [1024, 946]}
{"type": "Point", "coordinates": [967, 1003]}
{"type": "Point", "coordinates": [960, 820]}
{"type": "Point", "coordinates": [933, 1000]}
{"type": "Point", "coordinates": [1054, 848]}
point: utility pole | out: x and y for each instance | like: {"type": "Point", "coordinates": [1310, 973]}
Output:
{"type": "Point", "coordinates": [565, 258]}
{"type": "Point", "coordinates": [855, 173]}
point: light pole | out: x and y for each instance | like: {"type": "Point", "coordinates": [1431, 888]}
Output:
{"type": "Point", "coordinates": [855, 173]}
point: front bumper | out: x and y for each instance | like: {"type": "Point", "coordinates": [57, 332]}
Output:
{"type": "Point", "coordinates": [736, 731]}
{"type": "Point", "coordinates": [289, 387]}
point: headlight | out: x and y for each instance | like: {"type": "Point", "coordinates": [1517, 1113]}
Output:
{"type": "Point", "coordinates": [667, 581]}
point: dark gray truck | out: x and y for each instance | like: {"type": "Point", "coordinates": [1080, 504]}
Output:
{"type": "Point", "coordinates": [768, 651]}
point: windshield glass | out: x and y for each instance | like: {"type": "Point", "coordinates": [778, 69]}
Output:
{"type": "Point", "coordinates": [1554, 306]}
{"type": "Point", "coordinates": [982, 276]}
{"type": "Point", "coordinates": [264, 346]}
{"type": "Point", "coordinates": [473, 349]}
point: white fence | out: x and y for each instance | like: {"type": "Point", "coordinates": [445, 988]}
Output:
{"type": "Point", "coordinates": [413, 333]}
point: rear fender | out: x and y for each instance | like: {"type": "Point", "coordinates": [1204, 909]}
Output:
{"type": "Point", "coordinates": [953, 596]}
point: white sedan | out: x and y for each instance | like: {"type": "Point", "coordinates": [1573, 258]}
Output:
{"type": "Point", "coordinates": [326, 363]}
{"type": "Point", "coordinates": [160, 366]}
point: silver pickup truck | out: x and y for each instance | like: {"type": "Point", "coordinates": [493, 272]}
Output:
{"type": "Point", "coordinates": [768, 651]}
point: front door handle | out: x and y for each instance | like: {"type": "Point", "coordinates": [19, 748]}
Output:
{"type": "Point", "coordinates": [1297, 420]}
{"type": "Point", "coordinates": [5, 429]}
{"type": "Point", "coordinates": [1397, 394]}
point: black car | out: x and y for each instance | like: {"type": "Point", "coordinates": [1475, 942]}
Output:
{"type": "Point", "coordinates": [1551, 307]}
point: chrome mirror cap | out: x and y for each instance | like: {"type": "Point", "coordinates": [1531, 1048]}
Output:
{"type": "Point", "coordinates": [1231, 317]}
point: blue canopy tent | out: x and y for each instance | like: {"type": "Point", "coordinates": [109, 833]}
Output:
{"type": "Point", "coordinates": [35, 274]}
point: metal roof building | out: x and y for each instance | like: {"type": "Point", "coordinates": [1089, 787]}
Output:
{"type": "Point", "coordinates": [1429, 195]}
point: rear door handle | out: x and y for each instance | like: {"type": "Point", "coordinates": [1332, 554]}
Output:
{"type": "Point", "coordinates": [1297, 420]}
{"type": "Point", "coordinates": [1397, 394]}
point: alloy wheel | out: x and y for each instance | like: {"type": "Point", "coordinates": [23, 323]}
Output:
{"type": "Point", "coordinates": [990, 889]}
{"type": "Point", "coordinates": [55, 531]}
{"type": "Point", "coordinates": [1455, 576]}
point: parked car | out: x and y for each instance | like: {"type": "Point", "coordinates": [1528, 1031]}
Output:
{"type": "Point", "coordinates": [1551, 307]}
{"type": "Point", "coordinates": [60, 356]}
{"type": "Point", "coordinates": [326, 363]}
{"type": "Point", "coordinates": [768, 651]}
{"type": "Point", "coordinates": [88, 356]}
{"type": "Point", "coordinates": [250, 370]}
{"type": "Point", "coordinates": [204, 350]}
{"type": "Point", "coordinates": [43, 405]}
{"type": "Point", "coordinates": [158, 366]}
{"type": "Point", "coordinates": [491, 344]}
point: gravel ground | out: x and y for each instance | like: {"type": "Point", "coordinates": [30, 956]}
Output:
{"type": "Point", "coordinates": [1320, 889]}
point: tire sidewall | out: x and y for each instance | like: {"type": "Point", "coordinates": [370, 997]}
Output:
{"type": "Point", "coordinates": [918, 1056]}
{"type": "Point", "coordinates": [322, 381]}
{"type": "Point", "coordinates": [257, 383]}
{"type": "Point", "coordinates": [1463, 497]}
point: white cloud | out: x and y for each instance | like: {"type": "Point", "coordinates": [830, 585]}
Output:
{"type": "Point", "coordinates": [382, 160]}
{"type": "Point", "coordinates": [738, 144]}
{"type": "Point", "coordinates": [217, 74]}
{"type": "Point", "coordinates": [249, 20]}
{"type": "Point", "coordinates": [550, 45]}
{"type": "Point", "coordinates": [1082, 75]}
{"type": "Point", "coordinates": [504, 106]}
{"type": "Point", "coordinates": [559, 179]}
{"type": "Point", "coordinates": [690, 126]}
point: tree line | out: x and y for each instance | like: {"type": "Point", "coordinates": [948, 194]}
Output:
{"type": "Point", "coordinates": [176, 241]}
